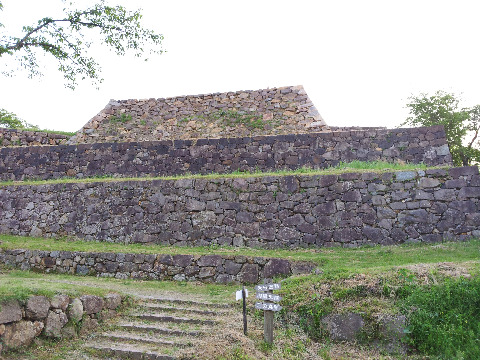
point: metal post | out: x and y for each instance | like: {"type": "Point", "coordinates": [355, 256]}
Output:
{"type": "Point", "coordinates": [244, 311]}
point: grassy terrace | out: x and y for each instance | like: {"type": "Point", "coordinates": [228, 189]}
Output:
{"type": "Point", "coordinates": [331, 260]}
{"type": "Point", "coordinates": [341, 168]}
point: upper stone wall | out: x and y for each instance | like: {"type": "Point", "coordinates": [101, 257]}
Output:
{"type": "Point", "coordinates": [273, 111]}
{"type": "Point", "coordinates": [16, 137]}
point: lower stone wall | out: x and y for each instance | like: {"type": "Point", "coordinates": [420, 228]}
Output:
{"type": "Point", "coordinates": [204, 268]}
{"type": "Point", "coordinates": [348, 209]}
{"type": "Point", "coordinates": [16, 137]}
{"type": "Point", "coordinates": [59, 317]}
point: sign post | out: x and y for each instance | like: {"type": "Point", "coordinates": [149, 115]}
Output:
{"type": "Point", "coordinates": [265, 292]}
{"type": "Point", "coordinates": [243, 294]}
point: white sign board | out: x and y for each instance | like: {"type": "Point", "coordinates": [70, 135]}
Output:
{"type": "Point", "coordinates": [268, 306]}
{"type": "Point", "coordinates": [269, 297]}
{"type": "Point", "coordinates": [267, 287]}
{"type": "Point", "coordinates": [238, 294]}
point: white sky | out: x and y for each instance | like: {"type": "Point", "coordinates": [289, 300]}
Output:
{"type": "Point", "coordinates": [358, 60]}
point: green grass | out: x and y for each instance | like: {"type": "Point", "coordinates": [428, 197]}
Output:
{"type": "Point", "coordinates": [444, 320]}
{"type": "Point", "coordinates": [49, 131]}
{"type": "Point", "coordinates": [16, 284]}
{"type": "Point", "coordinates": [334, 261]}
{"type": "Point", "coordinates": [341, 168]}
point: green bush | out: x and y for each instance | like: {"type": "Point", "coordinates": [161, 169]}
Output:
{"type": "Point", "coordinates": [444, 320]}
{"type": "Point", "coordinates": [310, 317]}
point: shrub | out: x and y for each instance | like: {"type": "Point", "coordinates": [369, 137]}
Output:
{"type": "Point", "coordinates": [444, 320]}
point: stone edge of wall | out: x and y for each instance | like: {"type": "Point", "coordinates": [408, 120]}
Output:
{"type": "Point", "coordinates": [60, 317]}
{"type": "Point", "coordinates": [203, 268]}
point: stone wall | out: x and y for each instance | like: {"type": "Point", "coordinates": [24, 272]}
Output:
{"type": "Point", "coordinates": [204, 156]}
{"type": "Point", "coordinates": [232, 114]}
{"type": "Point", "coordinates": [16, 137]}
{"type": "Point", "coordinates": [222, 269]}
{"type": "Point", "coordinates": [59, 317]}
{"type": "Point", "coordinates": [349, 209]}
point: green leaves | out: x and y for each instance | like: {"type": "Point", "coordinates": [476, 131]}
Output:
{"type": "Point", "coordinates": [461, 125]}
{"type": "Point", "coordinates": [64, 39]}
{"type": "Point", "coordinates": [11, 121]}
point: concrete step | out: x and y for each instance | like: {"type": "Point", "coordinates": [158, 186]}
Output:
{"type": "Point", "coordinates": [157, 299]}
{"type": "Point", "coordinates": [155, 328]}
{"type": "Point", "coordinates": [126, 350]}
{"type": "Point", "coordinates": [160, 317]}
{"type": "Point", "coordinates": [143, 338]}
{"type": "Point", "coordinates": [164, 308]}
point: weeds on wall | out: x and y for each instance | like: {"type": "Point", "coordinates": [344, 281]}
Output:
{"type": "Point", "coordinates": [231, 118]}
{"type": "Point", "coordinates": [120, 118]}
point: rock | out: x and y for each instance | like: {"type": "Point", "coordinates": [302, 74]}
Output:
{"type": "Point", "coordinates": [210, 260]}
{"type": "Point", "coordinates": [91, 304]}
{"type": "Point", "coordinates": [276, 267]}
{"type": "Point", "coordinates": [37, 308]}
{"type": "Point", "coordinates": [68, 332]}
{"type": "Point", "coordinates": [88, 325]}
{"type": "Point", "coordinates": [248, 274]}
{"type": "Point", "coordinates": [405, 175]}
{"type": "Point", "coordinates": [302, 267]}
{"type": "Point", "coordinates": [343, 327]}
{"type": "Point", "coordinates": [428, 183]}
{"type": "Point", "coordinates": [391, 329]}
{"type": "Point", "coordinates": [75, 310]}
{"type": "Point", "coordinates": [60, 302]}
{"type": "Point", "coordinates": [182, 260]}
{"type": "Point", "coordinates": [10, 311]}
{"type": "Point", "coordinates": [112, 301]}
{"type": "Point", "coordinates": [56, 320]}
{"type": "Point", "coordinates": [21, 334]}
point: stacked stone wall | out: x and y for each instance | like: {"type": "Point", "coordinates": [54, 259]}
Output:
{"type": "Point", "coordinates": [59, 317]}
{"type": "Point", "coordinates": [349, 209]}
{"type": "Point", "coordinates": [204, 156]}
{"type": "Point", "coordinates": [16, 137]}
{"type": "Point", "coordinates": [232, 114]}
{"type": "Point", "coordinates": [204, 268]}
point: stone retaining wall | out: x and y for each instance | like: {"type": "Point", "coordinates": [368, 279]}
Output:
{"type": "Point", "coordinates": [222, 269]}
{"type": "Point", "coordinates": [282, 110]}
{"type": "Point", "coordinates": [204, 156]}
{"type": "Point", "coordinates": [59, 317]}
{"type": "Point", "coordinates": [349, 209]}
{"type": "Point", "coordinates": [15, 137]}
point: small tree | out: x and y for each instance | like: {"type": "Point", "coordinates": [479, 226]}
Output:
{"type": "Point", "coordinates": [65, 39]}
{"type": "Point", "coordinates": [462, 125]}
{"type": "Point", "coordinates": [11, 121]}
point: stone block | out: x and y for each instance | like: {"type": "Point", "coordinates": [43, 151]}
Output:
{"type": "Point", "coordinates": [343, 327]}
{"type": "Point", "coordinates": [10, 311]}
{"type": "Point", "coordinates": [276, 267]}
{"type": "Point", "coordinates": [37, 308]}
{"type": "Point", "coordinates": [91, 304]}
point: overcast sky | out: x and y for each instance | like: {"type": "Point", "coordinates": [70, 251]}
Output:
{"type": "Point", "coordinates": [358, 60]}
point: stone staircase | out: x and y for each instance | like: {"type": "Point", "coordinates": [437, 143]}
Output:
{"type": "Point", "coordinates": [157, 329]}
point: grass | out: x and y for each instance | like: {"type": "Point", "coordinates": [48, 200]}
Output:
{"type": "Point", "coordinates": [16, 284]}
{"type": "Point", "coordinates": [49, 131]}
{"type": "Point", "coordinates": [334, 261]}
{"type": "Point", "coordinates": [341, 168]}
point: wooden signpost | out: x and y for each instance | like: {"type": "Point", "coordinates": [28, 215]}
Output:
{"type": "Point", "coordinates": [264, 292]}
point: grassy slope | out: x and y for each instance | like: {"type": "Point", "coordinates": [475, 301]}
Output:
{"type": "Point", "coordinates": [341, 168]}
{"type": "Point", "coordinates": [330, 260]}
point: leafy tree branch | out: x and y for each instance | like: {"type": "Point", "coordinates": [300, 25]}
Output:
{"type": "Point", "coordinates": [462, 125]}
{"type": "Point", "coordinates": [65, 39]}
